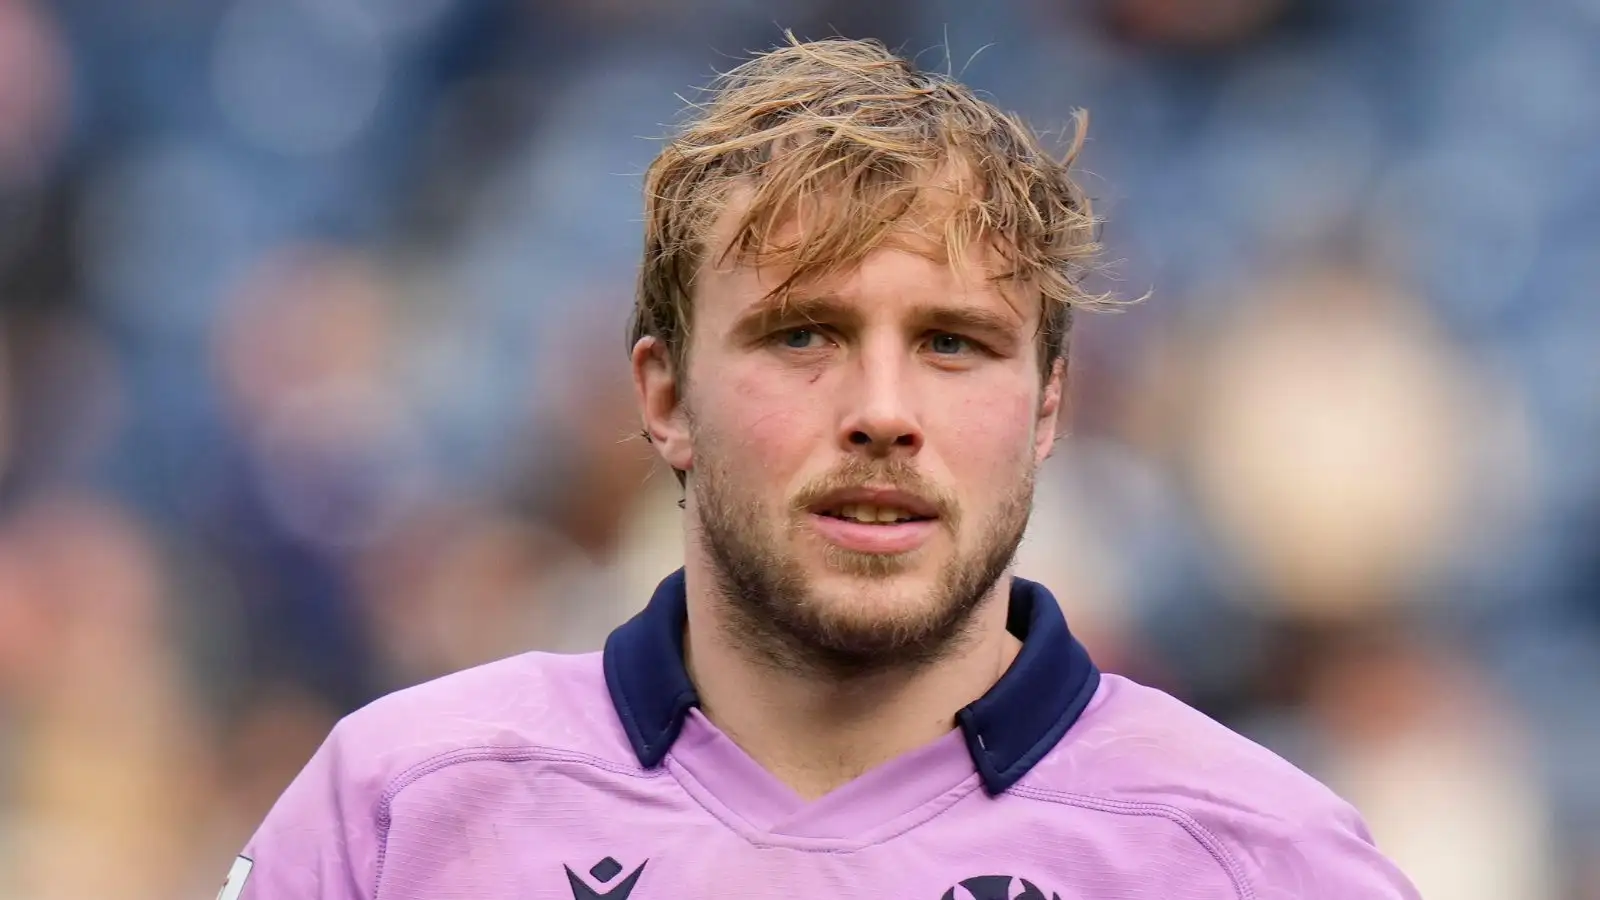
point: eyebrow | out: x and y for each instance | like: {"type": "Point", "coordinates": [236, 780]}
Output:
{"type": "Point", "coordinates": [774, 313]}
{"type": "Point", "coordinates": [970, 320]}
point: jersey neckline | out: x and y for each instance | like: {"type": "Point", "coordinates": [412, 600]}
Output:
{"type": "Point", "coordinates": [1006, 731]}
{"type": "Point", "coordinates": [873, 807]}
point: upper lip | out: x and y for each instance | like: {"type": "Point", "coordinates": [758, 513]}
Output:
{"type": "Point", "coordinates": [870, 496]}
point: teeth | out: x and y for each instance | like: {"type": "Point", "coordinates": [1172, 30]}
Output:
{"type": "Point", "coordinates": [861, 512]}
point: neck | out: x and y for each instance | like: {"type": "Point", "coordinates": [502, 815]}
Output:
{"type": "Point", "coordinates": [817, 733]}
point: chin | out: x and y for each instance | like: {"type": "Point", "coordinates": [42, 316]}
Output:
{"type": "Point", "coordinates": [875, 594]}
{"type": "Point", "coordinates": [860, 628]}
{"type": "Point", "coordinates": [884, 568]}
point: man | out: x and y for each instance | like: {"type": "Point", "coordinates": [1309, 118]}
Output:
{"type": "Point", "coordinates": [849, 345]}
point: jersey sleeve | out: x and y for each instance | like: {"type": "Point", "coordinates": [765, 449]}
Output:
{"type": "Point", "coordinates": [1329, 857]}
{"type": "Point", "coordinates": [321, 839]}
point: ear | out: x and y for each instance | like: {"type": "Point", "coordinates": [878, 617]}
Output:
{"type": "Point", "coordinates": [1051, 414]}
{"type": "Point", "coordinates": [656, 388]}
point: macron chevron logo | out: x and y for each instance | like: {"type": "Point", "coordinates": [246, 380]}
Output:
{"type": "Point", "coordinates": [604, 872]}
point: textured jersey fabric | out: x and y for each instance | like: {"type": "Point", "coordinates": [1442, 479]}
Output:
{"type": "Point", "coordinates": [520, 781]}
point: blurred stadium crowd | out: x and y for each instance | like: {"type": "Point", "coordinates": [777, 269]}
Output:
{"type": "Point", "coordinates": [312, 387]}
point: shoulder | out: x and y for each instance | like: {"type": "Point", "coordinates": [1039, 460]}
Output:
{"type": "Point", "coordinates": [1139, 751]}
{"type": "Point", "coordinates": [324, 837]}
{"type": "Point", "coordinates": [557, 703]}
{"type": "Point", "coordinates": [1138, 743]}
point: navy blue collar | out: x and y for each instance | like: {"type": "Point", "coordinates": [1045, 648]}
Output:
{"type": "Point", "coordinates": [1008, 730]}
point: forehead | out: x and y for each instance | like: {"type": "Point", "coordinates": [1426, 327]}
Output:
{"type": "Point", "coordinates": [921, 258]}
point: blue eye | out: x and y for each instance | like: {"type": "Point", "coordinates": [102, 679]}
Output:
{"type": "Point", "coordinates": [797, 338]}
{"type": "Point", "coordinates": [946, 344]}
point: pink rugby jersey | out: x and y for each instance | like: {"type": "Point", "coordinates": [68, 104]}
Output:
{"type": "Point", "coordinates": [595, 777]}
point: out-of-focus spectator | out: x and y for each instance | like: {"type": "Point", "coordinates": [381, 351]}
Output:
{"type": "Point", "coordinates": [107, 769]}
{"type": "Point", "coordinates": [319, 459]}
{"type": "Point", "coordinates": [1327, 432]}
{"type": "Point", "coordinates": [1329, 441]}
{"type": "Point", "coordinates": [574, 544]}
{"type": "Point", "coordinates": [1436, 758]}
{"type": "Point", "coordinates": [34, 86]}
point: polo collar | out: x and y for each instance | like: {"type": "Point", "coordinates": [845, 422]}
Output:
{"type": "Point", "coordinates": [1007, 730]}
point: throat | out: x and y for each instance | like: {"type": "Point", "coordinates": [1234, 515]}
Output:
{"type": "Point", "coordinates": [816, 736]}
{"type": "Point", "coordinates": [817, 751]}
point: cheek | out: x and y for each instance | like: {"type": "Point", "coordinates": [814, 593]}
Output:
{"type": "Point", "coordinates": [988, 434]}
{"type": "Point", "coordinates": [761, 420]}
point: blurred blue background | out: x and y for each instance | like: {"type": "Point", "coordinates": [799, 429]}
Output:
{"type": "Point", "coordinates": [312, 386]}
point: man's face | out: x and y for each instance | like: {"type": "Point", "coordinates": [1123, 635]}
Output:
{"type": "Point", "coordinates": [861, 459]}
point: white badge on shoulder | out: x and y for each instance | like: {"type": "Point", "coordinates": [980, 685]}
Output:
{"type": "Point", "coordinates": [234, 886]}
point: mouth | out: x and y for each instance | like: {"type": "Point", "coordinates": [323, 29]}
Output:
{"type": "Point", "coordinates": [872, 514]}
{"type": "Point", "coordinates": [878, 522]}
{"type": "Point", "coordinates": [875, 506]}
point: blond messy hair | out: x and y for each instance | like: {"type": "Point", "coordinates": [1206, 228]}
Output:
{"type": "Point", "coordinates": [858, 145]}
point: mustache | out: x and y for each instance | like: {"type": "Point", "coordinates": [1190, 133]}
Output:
{"type": "Point", "coordinates": [897, 474]}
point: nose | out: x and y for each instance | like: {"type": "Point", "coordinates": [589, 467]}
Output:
{"type": "Point", "coordinates": [881, 418]}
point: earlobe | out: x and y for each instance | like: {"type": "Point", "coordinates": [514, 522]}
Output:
{"type": "Point", "coordinates": [660, 408]}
